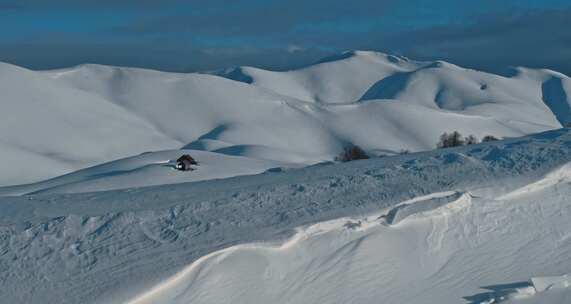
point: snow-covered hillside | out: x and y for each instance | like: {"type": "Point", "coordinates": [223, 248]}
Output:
{"type": "Point", "coordinates": [148, 169]}
{"type": "Point", "coordinates": [463, 252]}
{"type": "Point", "coordinates": [476, 224]}
{"type": "Point", "coordinates": [56, 122]}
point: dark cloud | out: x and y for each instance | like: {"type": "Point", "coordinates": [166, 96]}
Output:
{"type": "Point", "coordinates": [202, 35]}
{"type": "Point", "coordinates": [159, 56]}
{"type": "Point", "coordinates": [264, 19]}
{"type": "Point", "coordinates": [66, 4]}
{"type": "Point", "coordinates": [535, 39]}
{"type": "Point", "coordinates": [10, 6]}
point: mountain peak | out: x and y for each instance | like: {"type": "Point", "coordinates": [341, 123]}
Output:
{"type": "Point", "coordinates": [389, 58]}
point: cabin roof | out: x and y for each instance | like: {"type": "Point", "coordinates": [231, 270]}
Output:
{"type": "Point", "coordinates": [186, 157]}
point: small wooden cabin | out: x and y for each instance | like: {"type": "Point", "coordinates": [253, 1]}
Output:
{"type": "Point", "coordinates": [185, 162]}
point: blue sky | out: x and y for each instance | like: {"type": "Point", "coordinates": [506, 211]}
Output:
{"type": "Point", "coordinates": [202, 35]}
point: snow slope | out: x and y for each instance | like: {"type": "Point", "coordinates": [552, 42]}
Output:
{"type": "Point", "coordinates": [59, 121]}
{"type": "Point", "coordinates": [443, 255]}
{"type": "Point", "coordinates": [337, 79]}
{"type": "Point", "coordinates": [47, 128]}
{"type": "Point", "coordinates": [147, 169]}
{"type": "Point", "coordinates": [317, 233]}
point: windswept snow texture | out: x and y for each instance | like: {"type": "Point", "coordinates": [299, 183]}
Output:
{"type": "Point", "coordinates": [442, 255]}
{"type": "Point", "coordinates": [307, 235]}
{"type": "Point", "coordinates": [57, 122]}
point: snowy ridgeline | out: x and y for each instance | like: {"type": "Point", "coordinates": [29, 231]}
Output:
{"type": "Point", "coordinates": [109, 247]}
{"type": "Point", "coordinates": [57, 122]}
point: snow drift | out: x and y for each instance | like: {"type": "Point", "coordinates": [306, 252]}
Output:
{"type": "Point", "coordinates": [115, 246]}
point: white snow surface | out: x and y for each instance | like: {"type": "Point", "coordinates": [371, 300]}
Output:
{"type": "Point", "coordinates": [57, 122]}
{"type": "Point", "coordinates": [319, 234]}
{"type": "Point", "coordinates": [148, 169]}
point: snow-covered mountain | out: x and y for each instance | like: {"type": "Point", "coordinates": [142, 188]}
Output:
{"type": "Point", "coordinates": [264, 217]}
{"type": "Point", "coordinates": [56, 122]}
{"type": "Point", "coordinates": [485, 223]}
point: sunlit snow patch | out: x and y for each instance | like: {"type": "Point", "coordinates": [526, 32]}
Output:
{"type": "Point", "coordinates": [561, 175]}
{"type": "Point", "coordinates": [536, 286]}
{"type": "Point", "coordinates": [430, 203]}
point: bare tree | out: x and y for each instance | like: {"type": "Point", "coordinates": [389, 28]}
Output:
{"type": "Point", "coordinates": [352, 152]}
{"type": "Point", "coordinates": [471, 140]}
{"type": "Point", "coordinates": [453, 139]}
{"type": "Point", "coordinates": [488, 138]}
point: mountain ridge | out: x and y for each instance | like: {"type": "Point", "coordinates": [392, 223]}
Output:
{"type": "Point", "coordinates": [378, 101]}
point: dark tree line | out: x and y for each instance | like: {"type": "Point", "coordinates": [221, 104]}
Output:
{"type": "Point", "coordinates": [455, 139]}
{"type": "Point", "coordinates": [352, 152]}
{"type": "Point", "coordinates": [489, 138]}
{"type": "Point", "coordinates": [447, 140]}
